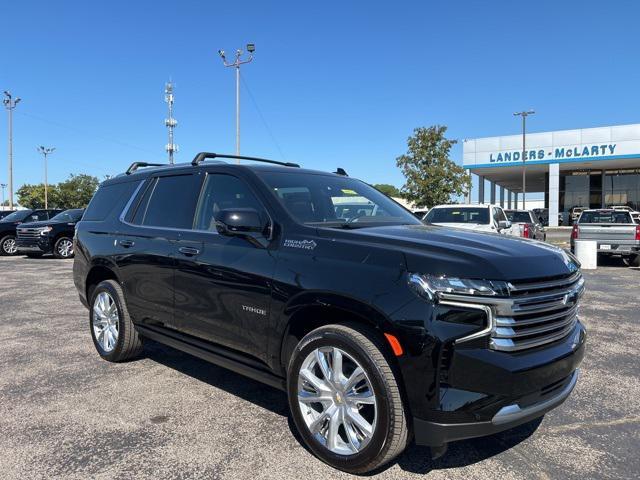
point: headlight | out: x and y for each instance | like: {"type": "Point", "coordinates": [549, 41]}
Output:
{"type": "Point", "coordinates": [45, 230]}
{"type": "Point", "coordinates": [430, 286]}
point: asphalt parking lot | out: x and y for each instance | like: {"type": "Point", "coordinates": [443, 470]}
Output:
{"type": "Point", "coordinates": [66, 413]}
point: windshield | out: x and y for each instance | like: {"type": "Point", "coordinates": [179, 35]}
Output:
{"type": "Point", "coordinates": [335, 201]}
{"type": "Point", "coordinates": [458, 215]}
{"type": "Point", "coordinates": [519, 217]}
{"type": "Point", "coordinates": [17, 216]}
{"type": "Point", "coordinates": [68, 216]}
{"type": "Point", "coordinates": [606, 217]}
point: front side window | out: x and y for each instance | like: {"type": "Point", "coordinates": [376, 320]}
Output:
{"type": "Point", "coordinates": [478, 215]}
{"type": "Point", "coordinates": [223, 192]}
{"type": "Point", "coordinates": [334, 201]}
{"type": "Point", "coordinates": [169, 202]}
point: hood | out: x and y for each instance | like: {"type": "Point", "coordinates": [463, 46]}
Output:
{"type": "Point", "coordinates": [463, 253]}
{"type": "Point", "coordinates": [43, 223]}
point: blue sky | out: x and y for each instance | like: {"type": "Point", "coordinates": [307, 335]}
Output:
{"type": "Point", "coordinates": [337, 83]}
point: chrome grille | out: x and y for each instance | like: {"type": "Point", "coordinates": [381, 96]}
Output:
{"type": "Point", "coordinates": [28, 233]}
{"type": "Point", "coordinates": [536, 313]}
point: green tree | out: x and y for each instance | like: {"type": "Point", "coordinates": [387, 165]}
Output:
{"type": "Point", "coordinates": [75, 192]}
{"type": "Point", "coordinates": [389, 190]}
{"type": "Point", "coordinates": [431, 176]}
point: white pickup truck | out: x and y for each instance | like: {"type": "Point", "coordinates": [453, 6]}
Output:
{"type": "Point", "coordinates": [479, 218]}
{"type": "Point", "coordinates": [615, 232]}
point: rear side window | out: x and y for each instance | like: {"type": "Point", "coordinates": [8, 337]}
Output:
{"type": "Point", "coordinates": [169, 202]}
{"type": "Point", "coordinates": [108, 199]}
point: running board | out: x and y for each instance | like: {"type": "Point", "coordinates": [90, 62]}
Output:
{"type": "Point", "coordinates": [214, 357]}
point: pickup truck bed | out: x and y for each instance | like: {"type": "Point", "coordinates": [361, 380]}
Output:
{"type": "Point", "coordinates": [615, 232]}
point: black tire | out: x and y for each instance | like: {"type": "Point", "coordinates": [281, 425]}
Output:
{"type": "Point", "coordinates": [6, 244]}
{"type": "Point", "coordinates": [34, 254]}
{"type": "Point", "coordinates": [391, 433]}
{"type": "Point", "coordinates": [632, 261]}
{"type": "Point", "coordinates": [129, 342]}
{"type": "Point", "coordinates": [58, 248]}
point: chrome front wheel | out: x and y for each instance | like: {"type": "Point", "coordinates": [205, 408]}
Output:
{"type": "Point", "coordinates": [64, 248]}
{"type": "Point", "coordinates": [337, 401]}
{"type": "Point", "coordinates": [9, 246]}
{"type": "Point", "coordinates": [105, 321]}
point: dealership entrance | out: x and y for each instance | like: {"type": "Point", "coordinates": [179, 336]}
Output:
{"type": "Point", "coordinates": [592, 168]}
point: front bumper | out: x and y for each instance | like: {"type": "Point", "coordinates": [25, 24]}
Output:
{"type": "Point", "coordinates": [40, 245]}
{"type": "Point", "coordinates": [436, 434]}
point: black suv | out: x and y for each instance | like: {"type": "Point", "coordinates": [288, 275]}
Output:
{"type": "Point", "coordinates": [379, 328]}
{"type": "Point", "coordinates": [51, 236]}
{"type": "Point", "coordinates": [9, 224]}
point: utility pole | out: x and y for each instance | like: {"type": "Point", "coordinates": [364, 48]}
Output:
{"type": "Point", "coordinates": [524, 114]}
{"type": "Point", "coordinates": [45, 152]}
{"type": "Point", "coordinates": [10, 104]}
{"type": "Point", "coordinates": [170, 122]}
{"type": "Point", "coordinates": [236, 64]}
{"type": "Point", "coordinates": [3, 186]}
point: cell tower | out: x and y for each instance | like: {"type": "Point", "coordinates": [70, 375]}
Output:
{"type": "Point", "coordinates": [170, 122]}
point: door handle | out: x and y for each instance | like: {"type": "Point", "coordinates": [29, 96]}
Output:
{"type": "Point", "coordinates": [126, 243]}
{"type": "Point", "coordinates": [189, 251]}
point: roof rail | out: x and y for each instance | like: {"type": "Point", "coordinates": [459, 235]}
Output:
{"type": "Point", "coordinates": [136, 165]}
{"type": "Point", "coordinates": [204, 155]}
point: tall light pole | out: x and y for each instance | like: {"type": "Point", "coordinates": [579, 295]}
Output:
{"type": "Point", "coordinates": [10, 104]}
{"type": "Point", "coordinates": [524, 114]}
{"type": "Point", "coordinates": [170, 122]}
{"type": "Point", "coordinates": [236, 64]}
{"type": "Point", "coordinates": [3, 186]}
{"type": "Point", "coordinates": [45, 152]}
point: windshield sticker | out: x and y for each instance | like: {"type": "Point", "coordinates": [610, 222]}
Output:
{"type": "Point", "coordinates": [303, 244]}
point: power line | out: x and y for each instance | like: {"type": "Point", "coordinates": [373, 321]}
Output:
{"type": "Point", "coordinates": [264, 122]}
{"type": "Point", "coordinates": [85, 132]}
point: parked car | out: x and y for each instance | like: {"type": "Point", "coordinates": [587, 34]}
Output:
{"type": "Point", "coordinates": [615, 232]}
{"type": "Point", "coordinates": [635, 215]}
{"type": "Point", "coordinates": [525, 224]}
{"type": "Point", "coordinates": [574, 214]}
{"type": "Point", "coordinates": [51, 236]}
{"type": "Point", "coordinates": [4, 213]}
{"type": "Point", "coordinates": [379, 328]}
{"type": "Point", "coordinates": [480, 218]}
{"type": "Point", "coordinates": [9, 223]}
{"type": "Point", "coordinates": [420, 213]}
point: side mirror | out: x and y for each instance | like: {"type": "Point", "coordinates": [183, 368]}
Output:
{"type": "Point", "coordinates": [502, 224]}
{"type": "Point", "coordinates": [239, 221]}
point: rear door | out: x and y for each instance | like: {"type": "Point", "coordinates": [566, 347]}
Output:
{"type": "Point", "coordinates": [146, 242]}
{"type": "Point", "coordinates": [223, 283]}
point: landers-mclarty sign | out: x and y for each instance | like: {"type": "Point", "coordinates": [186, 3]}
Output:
{"type": "Point", "coordinates": [557, 153]}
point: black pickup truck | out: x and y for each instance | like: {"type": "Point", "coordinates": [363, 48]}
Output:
{"type": "Point", "coordinates": [51, 236]}
{"type": "Point", "coordinates": [382, 330]}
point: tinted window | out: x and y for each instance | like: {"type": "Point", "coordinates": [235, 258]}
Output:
{"type": "Point", "coordinates": [519, 217]}
{"type": "Point", "coordinates": [172, 202]}
{"type": "Point", "coordinates": [499, 215]}
{"type": "Point", "coordinates": [222, 192]}
{"type": "Point", "coordinates": [605, 217]}
{"type": "Point", "coordinates": [107, 199]}
{"type": "Point", "coordinates": [68, 216]}
{"type": "Point", "coordinates": [332, 199]}
{"type": "Point", "coordinates": [17, 216]}
{"type": "Point", "coordinates": [458, 215]}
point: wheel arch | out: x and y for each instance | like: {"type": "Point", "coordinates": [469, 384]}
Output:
{"type": "Point", "coordinates": [98, 273]}
{"type": "Point", "coordinates": [315, 309]}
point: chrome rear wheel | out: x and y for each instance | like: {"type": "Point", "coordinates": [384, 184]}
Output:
{"type": "Point", "coordinates": [105, 321]}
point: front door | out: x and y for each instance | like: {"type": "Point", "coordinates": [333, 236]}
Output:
{"type": "Point", "coordinates": [223, 283]}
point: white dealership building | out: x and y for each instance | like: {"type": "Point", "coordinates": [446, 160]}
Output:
{"type": "Point", "coordinates": [589, 167]}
